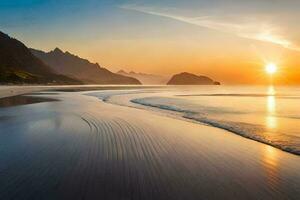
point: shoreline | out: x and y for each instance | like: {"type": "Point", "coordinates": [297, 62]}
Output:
{"type": "Point", "coordinates": [133, 100]}
{"type": "Point", "coordinates": [190, 118]}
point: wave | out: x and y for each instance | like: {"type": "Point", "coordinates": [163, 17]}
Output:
{"type": "Point", "coordinates": [105, 96]}
{"type": "Point", "coordinates": [162, 106]}
{"type": "Point", "coordinates": [247, 130]}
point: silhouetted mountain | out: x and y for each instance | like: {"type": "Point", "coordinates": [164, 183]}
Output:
{"type": "Point", "coordinates": [191, 79]}
{"type": "Point", "coordinates": [19, 65]}
{"type": "Point", "coordinates": [147, 79]}
{"type": "Point", "coordinates": [76, 67]}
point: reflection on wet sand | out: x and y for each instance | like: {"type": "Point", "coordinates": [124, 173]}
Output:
{"type": "Point", "coordinates": [270, 155]}
{"type": "Point", "coordinates": [22, 100]}
{"type": "Point", "coordinates": [271, 166]}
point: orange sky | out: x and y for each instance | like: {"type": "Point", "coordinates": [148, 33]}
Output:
{"type": "Point", "coordinates": [230, 41]}
{"type": "Point", "coordinates": [229, 60]}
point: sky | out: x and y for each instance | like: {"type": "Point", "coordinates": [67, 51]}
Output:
{"type": "Point", "coordinates": [228, 40]}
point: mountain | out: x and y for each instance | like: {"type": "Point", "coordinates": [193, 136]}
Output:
{"type": "Point", "coordinates": [19, 65]}
{"type": "Point", "coordinates": [186, 78]}
{"type": "Point", "coordinates": [146, 79]}
{"type": "Point", "coordinates": [76, 67]}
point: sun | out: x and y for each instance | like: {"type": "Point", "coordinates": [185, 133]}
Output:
{"type": "Point", "coordinates": [271, 68]}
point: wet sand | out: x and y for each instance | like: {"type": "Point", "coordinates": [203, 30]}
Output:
{"type": "Point", "coordinates": [83, 148]}
{"type": "Point", "coordinates": [14, 90]}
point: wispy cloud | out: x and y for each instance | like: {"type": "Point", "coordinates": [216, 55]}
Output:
{"type": "Point", "coordinates": [254, 30]}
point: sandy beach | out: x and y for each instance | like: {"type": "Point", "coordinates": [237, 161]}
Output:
{"type": "Point", "coordinates": [80, 147]}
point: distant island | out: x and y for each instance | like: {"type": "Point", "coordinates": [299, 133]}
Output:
{"type": "Point", "coordinates": [147, 79]}
{"type": "Point", "coordinates": [186, 78]}
{"type": "Point", "coordinates": [18, 65]}
{"type": "Point", "coordinates": [73, 66]}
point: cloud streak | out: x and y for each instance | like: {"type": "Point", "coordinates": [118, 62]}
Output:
{"type": "Point", "coordinates": [254, 30]}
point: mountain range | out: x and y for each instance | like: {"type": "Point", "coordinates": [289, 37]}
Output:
{"type": "Point", "coordinates": [19, 65]}
{"type": "Point", "coordinates": [78, 68]}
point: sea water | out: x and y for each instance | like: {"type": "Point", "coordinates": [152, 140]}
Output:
{"type": "Point", "coordinates": [266, 114]}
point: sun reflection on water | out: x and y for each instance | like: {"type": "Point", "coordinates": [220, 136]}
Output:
{"type": "Point", "coordinates": [271, 120]}
{"type": "Point", "coordinates": [271, 91]}
{"type": "Point", "coordinates": [271, 104]}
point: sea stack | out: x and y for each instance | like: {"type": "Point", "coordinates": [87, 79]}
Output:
{"type": "Point", "coordinates": [186, 78]}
